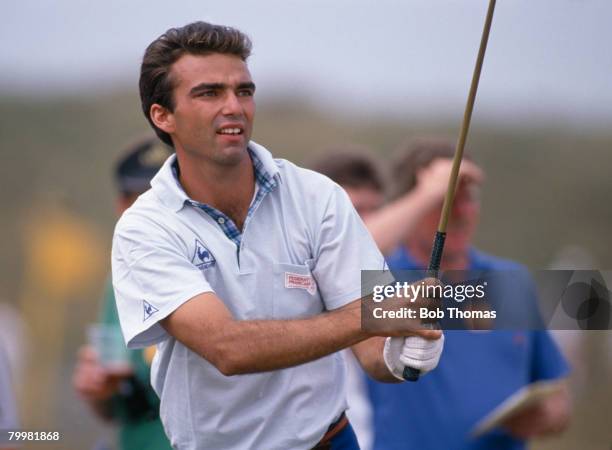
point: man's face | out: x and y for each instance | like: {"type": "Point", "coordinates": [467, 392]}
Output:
{"type": "Point", "coordinates": [462, 223]}
{"type": "Point", "coordinates": [366, 200]}
{"type": "Point", "coordinates": [214, 107]}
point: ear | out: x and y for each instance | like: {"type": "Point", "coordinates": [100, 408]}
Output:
{"type": "Point", "coordinates": [162, 118]}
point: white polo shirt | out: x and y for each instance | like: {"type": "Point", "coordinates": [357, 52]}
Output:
{"type": "Point", "coordinates": [300, 254]}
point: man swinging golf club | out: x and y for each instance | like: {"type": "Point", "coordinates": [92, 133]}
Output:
{"type": "Point", "coordinates": [242, 268]}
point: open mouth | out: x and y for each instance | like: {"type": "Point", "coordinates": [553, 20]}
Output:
{"type": "Point", "coordinates": [230, 131]}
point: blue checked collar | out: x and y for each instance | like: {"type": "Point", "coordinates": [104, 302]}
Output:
{"type": "Point", "coordinates": [265, 184]}
{"type": "Point", "coordinates": [167, 188]}
{"type": "Point", "coordinates": [267, 176]}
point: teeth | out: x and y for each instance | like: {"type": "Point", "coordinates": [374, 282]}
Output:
{"type": "Point", "coordinates": [230, 131]}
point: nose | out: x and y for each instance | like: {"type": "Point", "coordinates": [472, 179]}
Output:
{"type": "Point", "coordinates": [231, 105]}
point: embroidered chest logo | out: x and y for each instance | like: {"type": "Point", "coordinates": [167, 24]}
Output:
{"type": "Point", "coordinates": [297, 281]}
{"type": "Point", "coordinates": [149, 310]}
{"type": "Point", "coordinates": [202, 258]}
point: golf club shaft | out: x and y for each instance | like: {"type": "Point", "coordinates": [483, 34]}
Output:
{"type": "Point", "coordinates": [412, 374]}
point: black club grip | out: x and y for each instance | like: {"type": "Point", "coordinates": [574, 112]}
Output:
{"type": "Point", "coordinates": [436, 254]}
{"type": "Point", "coordinates": [410, 373]}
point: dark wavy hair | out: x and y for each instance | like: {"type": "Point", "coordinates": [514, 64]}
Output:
{"type": "Point", "coordinates": [198, 38]}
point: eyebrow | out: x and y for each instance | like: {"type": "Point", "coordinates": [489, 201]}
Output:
{"type": "Point", "coordinates": [219, 86]}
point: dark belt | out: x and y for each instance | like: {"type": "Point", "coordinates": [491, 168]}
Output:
{"type": "Point", "coordinates": [333, 430]}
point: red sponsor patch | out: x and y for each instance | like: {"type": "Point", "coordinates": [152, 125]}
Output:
{"type": "Point", "coordinates": [297, 281]}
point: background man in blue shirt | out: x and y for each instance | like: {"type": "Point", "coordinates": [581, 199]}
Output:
{"type": "Point", "coordinates": [478, 369]}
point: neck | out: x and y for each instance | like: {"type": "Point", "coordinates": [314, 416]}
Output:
{"type": "Point", "coordinates": [228, 188]}
{"type": "Point", "coordinates": [420, 250]}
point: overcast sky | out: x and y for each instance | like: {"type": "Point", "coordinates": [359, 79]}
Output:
{"type": "Point", "coordinates": [546, 58]}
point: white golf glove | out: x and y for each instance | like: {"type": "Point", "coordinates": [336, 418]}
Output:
{"type": "Point", "coordinates": [412, 351]}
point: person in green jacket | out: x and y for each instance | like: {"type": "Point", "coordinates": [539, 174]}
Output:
{"type": "Point", "coordinates": [126, 397]}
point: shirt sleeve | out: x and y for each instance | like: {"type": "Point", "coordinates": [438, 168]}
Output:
{"type": "Point", "coordinates": [152, 277]}
{"type": "Point", "coordinates": [547, 361]}
{"type": "Point", "coordinates": [344, 248]}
